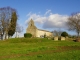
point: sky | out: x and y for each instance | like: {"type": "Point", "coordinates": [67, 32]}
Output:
{"type": "Point", "coordinates": [47, 14]}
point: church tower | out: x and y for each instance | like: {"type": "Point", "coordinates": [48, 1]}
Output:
{"type": "Point", "coordinates": [31, 28]}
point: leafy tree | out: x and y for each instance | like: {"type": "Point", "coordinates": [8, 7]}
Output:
{"type": "Point", "coordinates": [73, 23]}
{"type": "Point", "coordinates": [64, 34]}
{"type": "Point", "coordinates": [12, 27]}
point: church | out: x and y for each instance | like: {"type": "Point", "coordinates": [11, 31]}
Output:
{"type": "Point", "coordinates": [37, 32]}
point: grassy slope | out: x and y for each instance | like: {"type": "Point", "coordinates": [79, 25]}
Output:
{"type": "Point", "coordinates": [39, 49]}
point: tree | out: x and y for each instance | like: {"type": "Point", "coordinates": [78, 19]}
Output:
{"type": "Point", "coordinates": [19, 29]}
{"type": "Point", "coordinates": [6, 18]}
{"type": "Point", "coordinates": [57, 33]}
{"type": "Point", "coordinates": [12, 27]}
{"type": "Point", "coordinates": [64, 34]}
{"type": "Point", "coordinates": [73, 23]}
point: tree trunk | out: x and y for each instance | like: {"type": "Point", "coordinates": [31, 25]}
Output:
{"type": "Point", "coordinates": [16, 34]}
{"type": "Point", "coordinates": [5, 36]}
{"type": "Point", "coordinates": [78, 34]}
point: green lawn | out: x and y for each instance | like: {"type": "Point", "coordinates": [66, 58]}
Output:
{"type": "Point", "coordinates": [39, 49]}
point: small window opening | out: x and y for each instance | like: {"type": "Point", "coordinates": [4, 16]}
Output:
{"type": "Point", "coordinates": [31, 24]}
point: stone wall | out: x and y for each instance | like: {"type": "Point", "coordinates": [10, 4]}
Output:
{"type": "Point", "coordinates": [62, 38]}
{"type": "Point", "coordinates": [55, 38]}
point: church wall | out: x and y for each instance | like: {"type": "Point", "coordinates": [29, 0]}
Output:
{"type": "Point", "coordinates": [48, 34]}
{"type": "Point", "coordinates": [41, 33]}
{"type": "Point", "coordinates": [32, 31]}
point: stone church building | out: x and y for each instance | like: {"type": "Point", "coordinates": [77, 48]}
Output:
{"type": "Point", "coordinates": [37, 32]}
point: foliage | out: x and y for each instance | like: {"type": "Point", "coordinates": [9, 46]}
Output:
{"type": "Point", "coordinates": [27, 35]}
{"type": "Point", "coordinates": [73, 23]}
{"type": "Point", "coordinates": [44, 35]}
{"type": "Point", "coordinates": [64, 34]}
{"type": "Point", "coordinates": [12, 26]}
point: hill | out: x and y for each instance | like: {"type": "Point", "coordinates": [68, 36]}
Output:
{"type": "Point", "coordinates": [38, 49]}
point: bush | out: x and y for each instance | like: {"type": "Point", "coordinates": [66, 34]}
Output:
{"type": "Point", "coordinates": [64, 34]}
{"type": "Point", "coordinates": [27, 35]}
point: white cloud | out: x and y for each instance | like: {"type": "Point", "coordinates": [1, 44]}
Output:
{"type": "Point", "coordinates": [55, 21]}
{"type": "Point", "coordinates": [49, 20]}
{"type": "Point", "coordinates": [29, 14]}
{"type": "Point", "coordinates": [37, 18]}
{"type": "Point", "coordinates": [48, 12]}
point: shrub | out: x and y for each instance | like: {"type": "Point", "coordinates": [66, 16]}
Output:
{"type": "Point", "coordinates": [44, 35]}
{"type": "Point", "coordinates": [64, 34]}
{"type": "Point", "coordinates": [27, 35]}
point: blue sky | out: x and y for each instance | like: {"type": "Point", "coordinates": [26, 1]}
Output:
{"type": "Point", "coordinates": [43, 11]}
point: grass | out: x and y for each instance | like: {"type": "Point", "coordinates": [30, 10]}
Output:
{"type": "Point", "coordinates": [38, 49]}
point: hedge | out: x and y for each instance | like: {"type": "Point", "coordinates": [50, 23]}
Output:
{"type": "Point", "coordinates": [27, 35]}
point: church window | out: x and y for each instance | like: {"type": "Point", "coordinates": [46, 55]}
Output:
{"type": "Point", "coordinates": [31, 24]}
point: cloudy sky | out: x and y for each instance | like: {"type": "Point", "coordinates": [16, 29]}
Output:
{"type": "Point", "coordinates": [47, 14]}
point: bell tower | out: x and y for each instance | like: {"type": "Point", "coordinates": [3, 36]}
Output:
{"type": "Point", "coordinates": [31, 28]}
{"type": "Point", "coordinates": [31, 23]}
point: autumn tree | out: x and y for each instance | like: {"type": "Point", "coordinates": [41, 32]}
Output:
{"type": "Point", "coordinates": [73, 23]}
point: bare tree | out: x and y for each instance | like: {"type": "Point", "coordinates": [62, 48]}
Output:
{"type": "Point", "coordinates": [19, 29]}
{"type": "Point", "coordinates": [5, 18]}
{"type": "Point", "coordinates": [57, 33]}
{"type": "Point", "coordinates": [73, 23]}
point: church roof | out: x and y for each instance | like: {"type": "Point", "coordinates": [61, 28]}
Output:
{"type": "Point", "coordinates": [44, 30]}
